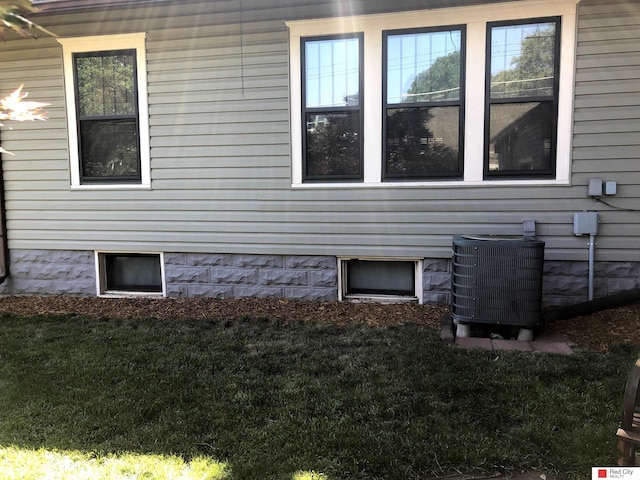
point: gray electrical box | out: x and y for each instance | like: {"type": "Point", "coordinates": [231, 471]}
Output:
{"type": "Point", "coordinates": [585, 223]}
{"type": "Point", "coordinates": [610, 188]}
{"type": "Point", "coordinates": [594, 187]}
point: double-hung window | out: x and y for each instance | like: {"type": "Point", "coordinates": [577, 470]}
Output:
{"type": "Point", "coordinates": [424, 94]}
{"type": "Point", "coordinates": [522, 98]}
{"type": "Point", "coordinates": [107, 111]}
{"type": "Point", "coordinates": [460, 96]}
{"type": "Point", "coordinates": [332, 108]}
{"type": "Point", "coordinates": [106, 104]}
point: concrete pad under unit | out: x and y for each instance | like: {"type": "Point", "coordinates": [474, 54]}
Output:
{"type": "Point", "coordinates": [553, 343]}
{"type": "Point", "coordinates": [551, 347]}
{"type": "Point", "coordinates": [546, 342]}
{"type": "Point", "coordinates": [474, 342]}
{"type": "Point", "coordinates": [519, 345]}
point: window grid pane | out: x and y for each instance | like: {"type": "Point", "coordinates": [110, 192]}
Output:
{"type": "Point", "coordinates": [523, 60]}
{"type": "Point", "coordinates": [332, 73]}
{"type": "Point", "coordinates": [106, 84]}
{"type": "Point", "coordinates": [423, 67]}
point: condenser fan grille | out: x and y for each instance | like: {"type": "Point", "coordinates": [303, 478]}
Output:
{"type": "Point", "coordinates": [497, 280]}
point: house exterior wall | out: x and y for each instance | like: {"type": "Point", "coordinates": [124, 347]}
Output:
{"type": "Point", "coordinates": [607, 119]}
{"type": "Point", "coordinates": [221, 155]}
{"type": "Point", "coordinates": [191, 275]}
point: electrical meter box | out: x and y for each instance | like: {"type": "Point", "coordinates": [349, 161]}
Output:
{"type": "Point", "coordinates": [585, 223]}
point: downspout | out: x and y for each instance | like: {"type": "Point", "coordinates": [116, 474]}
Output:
{"type": "Point", "coordinates": [4, 250]}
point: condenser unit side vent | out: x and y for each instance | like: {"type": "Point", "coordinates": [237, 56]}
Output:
{"type": "Point", "coordinates": [497, 280]}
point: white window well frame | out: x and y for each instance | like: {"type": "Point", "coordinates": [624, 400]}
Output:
{"type": "Point", "coordinates": [101, 276]}
{"type": "Point", "coordinates": [475, 19]}
{"type": "Point", "coordinates": [130, 41]}
{"type": "Point", "coordinates": [343, 294]}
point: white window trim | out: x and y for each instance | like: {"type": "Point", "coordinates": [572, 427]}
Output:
{"type": "Point", "coordinates": [475, 18]}
{"type": "Point", "coordinates": [97, 44]}
{"type": "Point", "coordinates": [342, 286]}
{"type": "Point", "coordinates": [101, 276]}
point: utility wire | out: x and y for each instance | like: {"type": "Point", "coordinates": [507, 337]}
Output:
{"type": "Point", "coordinates": [615, 207]}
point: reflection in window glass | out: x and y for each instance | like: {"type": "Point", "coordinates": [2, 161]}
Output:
{"type": "Point", "coordinates": [370, 277]}
{"type": "Point", "coordinates": [332, 88]}
{"type": "Point", "coordinates": [333, 145]}
{"type": "Point", "coordinates": [523, 60]}
{"type": "Point", "coordinates": [423, 85]}
{"type": "Point", "coordinates": [109, 147]}
{"type": "Point", "coordinates": [133, 272]}
{"type": "Point", "coordinates": [522, 101]}
{"type": "Point", "coordinates": [422, 142]}
{"type": "Point", "coordinates": [106, 91]}
{"type": "Point", "coordinates": [332, 76]}
{"type": "Point", "coordinates": [520, 137]}
{"type": "Point", "coordinates": [423, 67]}
{"type": "Point", "coordinates": [106, 84]}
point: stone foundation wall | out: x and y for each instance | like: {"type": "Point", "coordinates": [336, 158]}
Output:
{"type": "Point", "coordinates": [567, 283]}
{"type": "Point", "coordinates": [436, 280]}
{"type": "Point", "coordinates": [55, 272]}
{"type": "Point", "coordinates": [50, 272]}
{"type": "Point", "coordinates": [238, 276]}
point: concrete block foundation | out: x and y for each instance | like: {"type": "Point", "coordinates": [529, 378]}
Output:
{"type": "Point", "coordinates": [187, 275]}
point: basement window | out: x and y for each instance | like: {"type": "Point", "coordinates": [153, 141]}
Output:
{"type": "Point", "coordinates": [380, 279]}
{"type": "Point", "coordinates": [130, 274]}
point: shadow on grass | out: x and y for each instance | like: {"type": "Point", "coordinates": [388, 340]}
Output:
{"type": "Point", "coordinates": [254, 399]}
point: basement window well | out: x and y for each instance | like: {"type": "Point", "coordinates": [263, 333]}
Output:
{"type": "Point", "coordinates": [130, 274]}
{"type": "Point", "coordinates": [393, 280]}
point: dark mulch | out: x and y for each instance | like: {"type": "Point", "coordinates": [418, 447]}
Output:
{"type": "Point", "coordinates": [597, 331]}
{"type": "Point", "coordinates": [286, 311]}
{"type": "Point", "coordinates": [600, 330]}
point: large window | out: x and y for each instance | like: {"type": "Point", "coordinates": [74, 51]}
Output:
{"type": "Point", "coordinates": [461, 96]}
{"type": "Point", "coordinates": [522, 98]}
{"type": "Point", "coordinates": [107, 111]}
{"type": "Point", "coordinates": [423, 104]}
{"type": "Point", "coordinates": [332, 87]}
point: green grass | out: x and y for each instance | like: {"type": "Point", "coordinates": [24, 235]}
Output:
{"type": "Point", "coordinates": [250, 399]}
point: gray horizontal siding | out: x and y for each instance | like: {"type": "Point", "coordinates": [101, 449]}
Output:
{"type": "Point", "coordinates": [607, 117]}
{"type": "Point", "coordinates": [219, 125]}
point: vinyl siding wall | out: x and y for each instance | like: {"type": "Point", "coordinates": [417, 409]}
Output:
{"type": "Point", "coordinates": [220, 149]}
{"type": "Point", "coordinates": [607, 118]}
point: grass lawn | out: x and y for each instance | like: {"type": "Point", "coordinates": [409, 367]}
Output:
{"type": "Point", "coordinates": [251, 399]}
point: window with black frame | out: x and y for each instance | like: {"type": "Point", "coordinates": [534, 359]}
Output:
{"type": "Point", "coordinates": [522, 98]}
{"type": "Point", "coordinates": [332, 86]}
{"type": "Point", "coordinates": [107, 116]}
{"type": "Point", "coordinates": [424, 98]}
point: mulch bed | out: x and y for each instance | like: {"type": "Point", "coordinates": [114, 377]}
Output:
{"type": "Point", "coordinates": [597, 331]}
{"type": "Point", "coordinates": [600, 330]}
{"type": "Point", "coordinates": [287, 311]}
